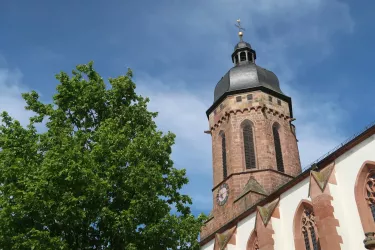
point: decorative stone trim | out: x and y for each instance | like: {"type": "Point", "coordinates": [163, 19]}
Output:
{"type": "Point", "coordinates": [320, 164]}
{"type": "Point", "coordinates": [264, 233]}
{"type": "Point", "coordinates": [360, 193]}
{"type": "Point", "coordinates": [251, 186]}
{"type": "Point", "coordinates": [322, 177]}
{"type": "Point", "coordinates": [265, 109]}
{"type": "Point", "coordinates": [321, 197]}
{"type": "Point", "coordinates": [298, 224]}
{"type": "Point", "coordinates": [229, 236]}
{"type": "Point", "coordinates": [266, 211]}
{"type": "Point", "coordinates": [369, 241]}
{"type": "Point", "coordinates": [252, 242]}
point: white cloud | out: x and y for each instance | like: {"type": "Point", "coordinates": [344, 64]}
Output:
{"type": "Point", "coordinates": [289, 36]}
{"type": "Point", "coordinates": [279, 30]}
{"type": "Point", "coordinates": [183, 113]}
{"type": "Point", "coordinates": [318, 118]}
{"type": "Point", "coordinates": [10, 94]}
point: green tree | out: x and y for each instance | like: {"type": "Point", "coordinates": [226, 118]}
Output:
{"type": "Point", "coordinates": [99, 176]}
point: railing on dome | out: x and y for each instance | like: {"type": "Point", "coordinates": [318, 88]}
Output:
{"type": "Point", "coordinates": [338, 146]}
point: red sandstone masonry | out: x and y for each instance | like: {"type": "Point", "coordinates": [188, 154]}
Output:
{"type": "Point", "coordinates": [367, 169]}
{"type": "Point", "coordinates": [233, 115]}
{"type": "Point", "coordinates": [229, 119]}
{"type": "Point", "coordinates": [270, 180]}
{"type": "Point", "coordinates": [321, 164]}
{"type": "Point", "coordinates": [252, 241]}
{"type": "Point", "coordinates": [299, 242]}
{"type": "Point", "coordinates": [264, 233]}
{"type": "Point", "coordinates": [324, 215]}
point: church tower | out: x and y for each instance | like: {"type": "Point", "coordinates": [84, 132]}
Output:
{"type": "Point", "coordinates": [254, 145]}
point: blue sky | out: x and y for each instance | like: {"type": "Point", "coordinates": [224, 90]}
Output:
{"type": "Point", "coordinates": [321, 50]}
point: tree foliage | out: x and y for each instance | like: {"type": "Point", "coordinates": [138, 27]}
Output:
{"type": "Point", "coordinates": [99, 176]}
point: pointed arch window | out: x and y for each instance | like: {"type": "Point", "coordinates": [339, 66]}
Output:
{"type": "Point", "coordinates": [249, 145]}
{"type": "Point", "coordinates": [364, 191]}
{"type": "Point", "coordinates": [370, 193]}
{"type": "Point", "coordinates": [278, 151]}
{"type": "Point", "coordinates": [224, 154]}
{"type": "Point", "coordinates": [309, 229]}
{"type": "Point", "coordinates": [305, 231]}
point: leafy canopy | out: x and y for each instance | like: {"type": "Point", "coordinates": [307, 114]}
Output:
{"type": "Point", "coordinates": [99, 176]}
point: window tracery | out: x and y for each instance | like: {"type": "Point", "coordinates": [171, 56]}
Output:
{"type": "Point", "coordinates": [308, 230]}
{"type": "Point", "coordinates": [364, 191]}
{"type": "Point", "coordinates": [370, 191]}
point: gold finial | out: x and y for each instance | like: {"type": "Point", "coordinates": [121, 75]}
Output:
{"type": "Point", "coordinates": [240, 29]}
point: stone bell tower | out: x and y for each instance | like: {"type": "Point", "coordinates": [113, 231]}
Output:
{"type": "Point", "coordinates": [254, 144]}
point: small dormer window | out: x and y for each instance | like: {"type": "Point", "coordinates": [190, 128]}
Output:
{"type": "Point", "coordinates": [270, 98]}
{"type": "Point", "coordinates": [250, 97]}
{"type": "Point", "coordinates": [239, 98]}
{"type": "Point", "coordinates": [279, 102]}
{"type": "Point", "coordinates": [243, 56]}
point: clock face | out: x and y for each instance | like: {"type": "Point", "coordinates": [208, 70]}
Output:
{"type": "Point", "coordinates": [222, 194]}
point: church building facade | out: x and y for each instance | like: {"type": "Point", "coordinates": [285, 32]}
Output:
{"type": "Point", "coordinates": [262, 199]}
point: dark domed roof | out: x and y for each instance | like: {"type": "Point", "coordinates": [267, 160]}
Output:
{"type": "Point", "coordinates": [244, 76]}
{"type": "Point", "coordinates": [241, 45]}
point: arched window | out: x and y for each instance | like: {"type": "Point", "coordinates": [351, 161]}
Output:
{"type": "Point", "coordinates": [224, 154]}
{"type": "Point", "coordinates": [370, 193]}
{"type": "Point", "coordinates": [243, 56]}
{"type": "Point", "coordinates": [305, 231]}
{"type": "Point", "coordinates": [278, 152]}
{"type": "Point", "coordinates": [309, 229]}
{"type": "Point", "coordinates": [252, 243]}
{"type": "Point", "coordinates": [365, 196]}
{"type": "Point", "coordinates": [248, 141]}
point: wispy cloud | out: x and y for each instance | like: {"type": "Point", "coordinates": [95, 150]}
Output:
{"type": "Point", "coordinates": [284, 34]}
{"type": "Point", "coordinates": [183, 113]}
{"type": "Point", "coordinates": [190, 50]}
{"type": "Point", "coordinates": [10, 95]}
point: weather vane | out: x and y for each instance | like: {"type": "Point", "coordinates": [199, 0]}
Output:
{"type": "Point", "coordinates": [240, 29]}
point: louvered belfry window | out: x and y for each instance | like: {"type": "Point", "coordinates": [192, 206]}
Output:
{"type": "Point", "coordinates": [224, 155]}
{"type": "Point", "coordinates": [248, 139]}
{"type": "Point", "coordinates": [278, 152]}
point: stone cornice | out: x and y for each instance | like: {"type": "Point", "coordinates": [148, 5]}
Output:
{"type": "Point", "coordinates": [267, 210]}
{"type": "Point", "coordinates": [261, 88]}
{"type": "Point", "coordinates": [251, 186]}
{"type": "Point", "coordinates": [249, 172]}
{"type": "Point", "coordinates": [222, 239]}
{"type": "Point", "coordinates": [256, 108]}
{"type": "Point", "coordinates": [322, 176]}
